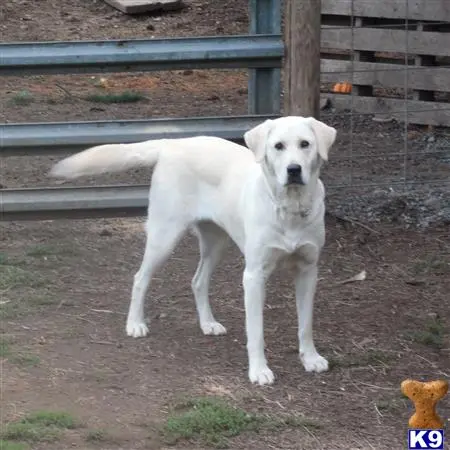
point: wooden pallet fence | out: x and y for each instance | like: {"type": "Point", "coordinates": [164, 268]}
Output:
{"type": "Point", "coordinates": [370, 44]}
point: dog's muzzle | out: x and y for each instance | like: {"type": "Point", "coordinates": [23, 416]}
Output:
{"type": "Point", "coordinates": [294, 174]}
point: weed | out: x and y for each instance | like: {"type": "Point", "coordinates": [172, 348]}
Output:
{"type": "Point", "coordinates": [300, 422]}
{"type": "Point", "coordinates": [58, 419]}
{"type": "Point", "coordinates": [25, 359]}
{"type": "Point", "coordinates": [48, 250]}
{"type": "Point", "coordinates": [212, 421]}
{"type": "Point", "coordinates": [10, 445]}
{"type": "Point", "coordinates": [13, 277]}
{"type": "Point", "coordinates": [5, 260]}
{"type": "Point", "coordinates": [42, 300]}
{"type": "Point", "coordinates": [23, 98]}
{"type": "Point", "coordinates": [433, 264]}
{"type": "Point", "coordinates": [19, 431]}
{"type": "Point", "coordinates": [372, 357]}
{"type": "Point", "coordinates": [40, 426]}
{"type": "Point", "coordinates": [5, 349]}
{"type": "Point", "coordinates": [24, 305]}
{"type": "Point", "coordinates": [97, 436]}
{"type": "Point", "coordinates": [390, 405]}
{"type": "Point", "coordinates": [123, 97]}
{"type": "Point", "coordinates": [432, 335]}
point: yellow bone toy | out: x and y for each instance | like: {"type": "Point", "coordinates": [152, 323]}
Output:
{"type": "Point", "coordinates": [425, 397]}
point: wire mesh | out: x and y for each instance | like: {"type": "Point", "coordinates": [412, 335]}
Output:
{"type": "Point", "coordinates": [393, 133]}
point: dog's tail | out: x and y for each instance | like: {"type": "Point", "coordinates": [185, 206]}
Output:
{"type": "Point", "coordinates": [108, 158]}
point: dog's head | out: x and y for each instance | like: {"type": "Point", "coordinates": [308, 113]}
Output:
{"type": "Point", "coordinates": [292, 148]}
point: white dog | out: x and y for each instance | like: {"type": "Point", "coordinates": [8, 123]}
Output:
{"type": "Point", "coordinates": [268, 198]}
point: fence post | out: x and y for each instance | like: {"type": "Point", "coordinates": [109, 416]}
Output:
{"type": "Point", "coordinates": [264, 85]}
{"type": "Point", "coordinates": [302, 58]}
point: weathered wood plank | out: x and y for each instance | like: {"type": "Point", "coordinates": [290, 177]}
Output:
{"type": "Point", "coordinates": [141, 6]}
{"type": "Point", "coordinates": [390, 9]}
{"type": "Point", "coordinates": [386, 40]}
{"type": "Point", "coordinates": [386, 75]}
{"type": "Point", "coordinates": [419, 112]}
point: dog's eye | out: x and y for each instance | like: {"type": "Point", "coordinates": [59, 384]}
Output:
{"type": "Point", "coordinates": [279, 146]}
{"type": "Point", "coordinates": [304, 144]}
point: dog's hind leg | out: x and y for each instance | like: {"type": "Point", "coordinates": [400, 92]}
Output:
{"type": "Point", "coordinates": [161, 240]}
{"type": "Point", "coordinates": [212, 240]}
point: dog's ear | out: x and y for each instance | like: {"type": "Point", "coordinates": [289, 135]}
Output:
{"type": "Point", "coordinates": [325, 136]}
{"type": "Point", "coordinates": [256, 138]}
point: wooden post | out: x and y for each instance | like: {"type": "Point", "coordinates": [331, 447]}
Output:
{"type": "Point", "coordinates": [302, 61]}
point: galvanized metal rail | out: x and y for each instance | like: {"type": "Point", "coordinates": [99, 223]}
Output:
{"type": "Point", "coordinates": [33, 138]}
{"type": "Point", "coordinates": [73, 202]}
{"type": "Point", "coordinates": [259, 51]}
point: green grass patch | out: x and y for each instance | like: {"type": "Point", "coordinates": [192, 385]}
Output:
{"type": "Point", "coordinates": [22, 98]}
{"type": "Point", "coordinates": [5, 348]}
{"type": "Point", "coordinates": [49, 250]}
{"type": "Point", "coordinates": [19, 358]}
{"type": "Point", "coordinates": [58, 419]}
{"type": "Point", "coordinates": [391, 405]}
{"type": "Point", "coordinates": [10, 445]}
{"type": "Point", "coordinates": [212, 421]}
{"type": "Point", "coordinates": [432, 264]}
{"type": "Point", "coordinates": [31, 433]}
{"type": "Point", "coordinates": [3, 258]}
{"type": "Point", "coordinates": [123, 97]}
{"type": "Point", "coordinates": [25, 360]}
{"type": "Point", "coordinates": [6, 260]}
{"type": "Point", "coordinates": [14, 277]}
{"type": "Point", "coordinates": [372, 357]}
{"type": "Point", "coordinates": [97, 435]}
{"type": "Point", "coordinates": [18, 307]}
{"type": "Point", "coordinates": [40, 426]}
{"type": "Point", "coordinates": [432, 335]}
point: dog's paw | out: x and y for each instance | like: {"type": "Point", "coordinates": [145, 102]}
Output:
{"type": "Point", "coordinates": [261, 375]}
{"type": "Point", "coordinates": [137, 329]}
{"type": "Point", "coordinates": [213, 328]}
{"type": "Point", "coordinates": [313, 362]}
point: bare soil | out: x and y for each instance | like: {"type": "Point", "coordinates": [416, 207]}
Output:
{"type": "Point", "coordinates": [65, 285]}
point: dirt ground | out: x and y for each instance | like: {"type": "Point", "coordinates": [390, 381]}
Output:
{"type": "Point", "coordinates": [65, 285]}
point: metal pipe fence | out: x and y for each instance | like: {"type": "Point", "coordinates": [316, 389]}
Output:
{"type": "Point", "coordinates": [364, 58]}
{"type": "Point", "coordinates": [261, 51]}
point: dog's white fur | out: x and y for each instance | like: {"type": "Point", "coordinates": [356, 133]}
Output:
{"type": "Point", "coordinates": [220, 189]}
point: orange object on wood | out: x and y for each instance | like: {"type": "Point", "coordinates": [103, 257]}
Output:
{"type": "Point", "coordinates": [342, 88]}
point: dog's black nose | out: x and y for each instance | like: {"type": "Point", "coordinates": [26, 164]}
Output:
{"type": "Point", "coordinates": [294, 170]}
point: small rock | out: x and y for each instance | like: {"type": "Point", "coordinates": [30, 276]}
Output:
{"type": "Point", "coordinates": [150, 27]}
{"type": "Point", "coordinates": [105, 232]}
{"type": "Point", "coordinates": [188, 72]}
{"type": "Point", "coordinates": [214, 97]}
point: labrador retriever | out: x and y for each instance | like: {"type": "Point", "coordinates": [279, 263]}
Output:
{"type": "Point", "coordinates": [268, 198]}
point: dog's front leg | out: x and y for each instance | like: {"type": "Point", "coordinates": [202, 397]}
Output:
{"type": "Point", "coordinates": [305, 287]}
{"type": "Point", "coordinates": [254, 281]}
